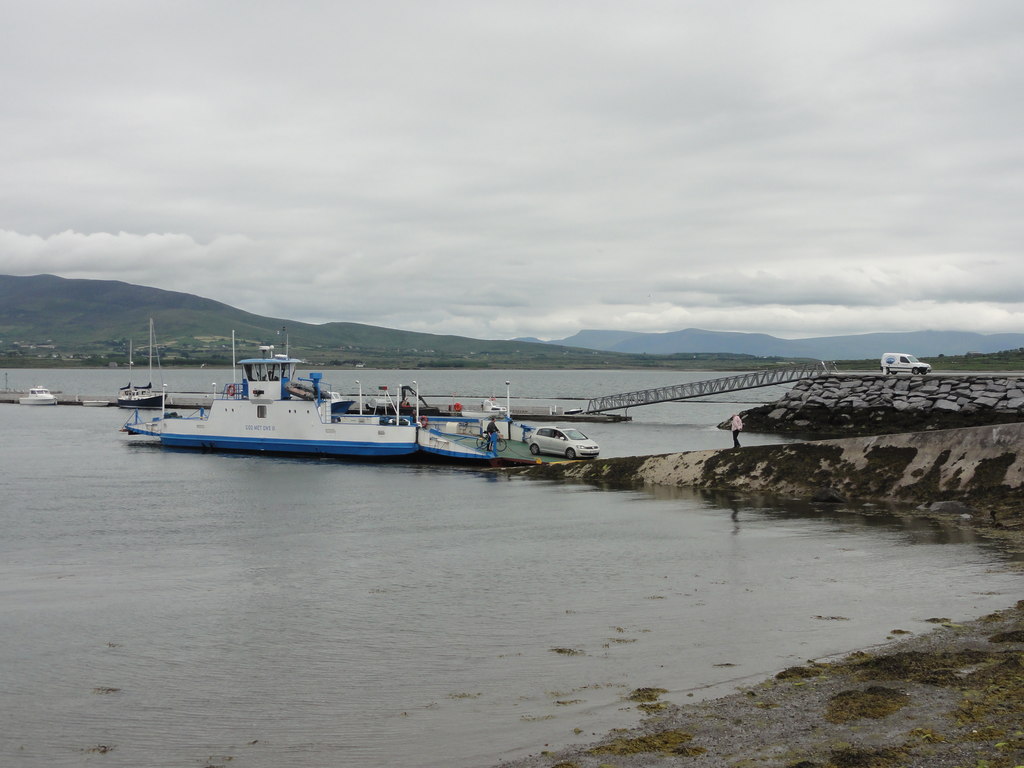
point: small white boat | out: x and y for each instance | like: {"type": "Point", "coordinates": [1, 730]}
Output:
{"type": "Point", "coordinates": [38, 396]}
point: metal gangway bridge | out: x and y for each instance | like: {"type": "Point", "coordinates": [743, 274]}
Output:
{"type": "Point", "coordinates": [765, 378]}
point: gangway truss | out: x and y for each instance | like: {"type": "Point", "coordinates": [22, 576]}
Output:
{"type": "Point", "coordinates": [765, 378]}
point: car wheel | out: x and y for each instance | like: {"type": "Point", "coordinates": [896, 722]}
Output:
{"type": "Point", "coordinates": [534, 449]}
{"type": "Point", "coordinates": [570, 453]}
{"type": "Point", "coordinates": [888, 371]}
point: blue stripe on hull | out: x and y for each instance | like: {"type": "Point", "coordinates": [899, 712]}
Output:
{"type": "Point", "coordinates": [309, 447]}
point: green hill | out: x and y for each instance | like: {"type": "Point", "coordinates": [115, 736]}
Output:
{"type": "Point", "coordinates": [48, 320]}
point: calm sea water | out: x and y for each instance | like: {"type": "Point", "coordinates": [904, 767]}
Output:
{"type": "Point", "coordinates": [162, 608]}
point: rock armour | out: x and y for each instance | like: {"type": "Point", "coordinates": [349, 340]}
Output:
{"type": "Point", "coordinates": [877, 404]}
{"type": "Point", "coordinates": [961, 393]}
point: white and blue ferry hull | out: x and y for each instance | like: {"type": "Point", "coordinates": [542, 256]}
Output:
{"type": "Point", "coordinates": [331, 448]}
{"type": "Point", "coordinates": [285, 428]}
{"type": "Point", "coordinates": [272, 411]}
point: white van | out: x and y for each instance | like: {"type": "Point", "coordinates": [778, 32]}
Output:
{"type": "Point", "coordinates": [897, 362]}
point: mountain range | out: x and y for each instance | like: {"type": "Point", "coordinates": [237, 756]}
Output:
{"type": "Point", "coordinates": [50, 316]}
{"type": "Point", "coordinates": [102, 315]}
{"type": "Point", "coordinates": [852, 347]}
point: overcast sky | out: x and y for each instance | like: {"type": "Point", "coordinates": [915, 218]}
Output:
{"type": "Point", "coordinates": [527, 168]}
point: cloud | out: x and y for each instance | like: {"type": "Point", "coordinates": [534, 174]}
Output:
{"type": "Point", "coordinates": [527, 169]}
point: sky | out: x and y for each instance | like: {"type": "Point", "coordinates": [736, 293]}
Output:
{"type": "Point", "coordinates": [527, 168]}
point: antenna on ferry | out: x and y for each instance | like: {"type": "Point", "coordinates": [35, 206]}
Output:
{"type": "Point", "coordinates": [234, 358]}
{"type": "Point", "coordinates": [284, 330]}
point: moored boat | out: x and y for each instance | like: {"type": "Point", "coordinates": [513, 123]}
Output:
{"type": "Point", "coordinates": [488, 408]}
{"type": "Point", "coordinates": [275, 410]}
{"type": "Point", "coordinates": [141, 397]}
{"type": "Point", "coordinates": [38, 396]}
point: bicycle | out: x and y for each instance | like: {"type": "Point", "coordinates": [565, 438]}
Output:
{"type": "Point", "coordinates": [483, 443]}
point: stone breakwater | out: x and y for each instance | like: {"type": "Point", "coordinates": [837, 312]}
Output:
{"type": "Point", "coordinates": [877, 404]}
{"type": "Point", "coordinates": [920, 440]}
{"type": "Point", "coordinates": [979, 467]}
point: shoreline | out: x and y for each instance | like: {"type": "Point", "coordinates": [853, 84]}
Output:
{"type": "Point", "coordinates": [951, 698]}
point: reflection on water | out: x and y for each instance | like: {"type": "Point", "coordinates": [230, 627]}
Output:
{"type": "Point", "coordinates": [894, 518]}
{"type": "Point", "coordinates": [194, 609]}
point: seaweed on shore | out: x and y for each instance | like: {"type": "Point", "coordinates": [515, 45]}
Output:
{"type": "Point", "coordinates": [875, 702]}
{"type": "Point", "coordinates": [881, 757]}
{"type": "Point", "coordinates": [674, 742]}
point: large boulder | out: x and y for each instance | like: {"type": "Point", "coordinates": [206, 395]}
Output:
{"type": "Point", "coordinates": [828, 496]}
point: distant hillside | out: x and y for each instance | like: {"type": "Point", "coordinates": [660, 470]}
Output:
{"type": "Point", "coordinates": [863, 346]}
{"type": "Point", "coordinates": [44, 315]}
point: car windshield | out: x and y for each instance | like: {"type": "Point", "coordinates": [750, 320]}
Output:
{"type": "Point", "coordinates": [913, 359]}
{"type": "Point", "coordinates": [574, 434]}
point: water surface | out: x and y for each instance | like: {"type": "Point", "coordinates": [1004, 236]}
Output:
{"type": "Point", "coordinates": [186, 608]}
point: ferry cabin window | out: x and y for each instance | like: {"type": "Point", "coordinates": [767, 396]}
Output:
{"type": "Point", "coordinates": [261, 411]}
{"type": "Point", "coordinates": [256, 371]}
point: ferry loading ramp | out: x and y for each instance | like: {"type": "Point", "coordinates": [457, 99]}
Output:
{"type": "Point", "coordinates": [693, 389]}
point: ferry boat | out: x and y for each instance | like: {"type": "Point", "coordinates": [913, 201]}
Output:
{"type": "Point", "coordinates": [272, 410]}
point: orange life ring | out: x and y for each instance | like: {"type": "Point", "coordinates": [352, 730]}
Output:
{"type": "Point", "coordinates": [230, 391]}
{"type": "Point", "coordinates": [457, 407]}
{"type": "Point", "coordinates": [424, 421]}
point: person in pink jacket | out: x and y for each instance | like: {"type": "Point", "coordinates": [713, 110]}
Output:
{"type": "Point", "coordinates": [737, 427]}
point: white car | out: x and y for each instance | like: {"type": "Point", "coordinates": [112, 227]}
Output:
{"type": "Point", "coordinates": [562, 441]}
{"type": "Point", "coordinates": [895, 362]}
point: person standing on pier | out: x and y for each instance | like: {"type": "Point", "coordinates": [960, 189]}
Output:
{"type": "Point", "coordinates": [737, 427]}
